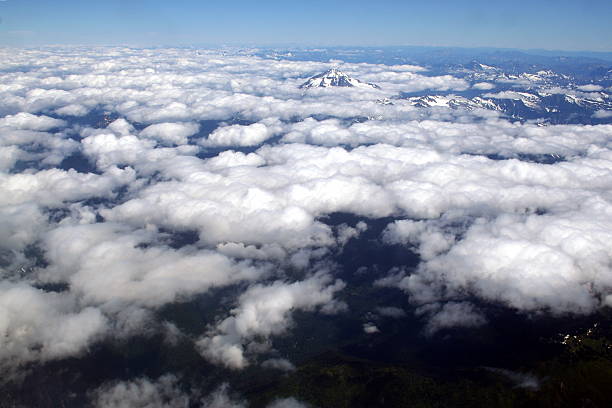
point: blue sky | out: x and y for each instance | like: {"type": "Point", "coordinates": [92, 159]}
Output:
{"type": "Point", "coordinates": [559, 24]}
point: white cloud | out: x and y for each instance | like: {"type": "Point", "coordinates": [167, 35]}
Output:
{"type": "Point", "coordinates": [263, 311]}
{"type": "Point", "coordinates": [243, 135]}
{"type": "Point", "coordinates": [37, 325]}
{"type": "Point", "coordinates": [72, 110]}
{"type": "Point", "coordinates": [171, 133]}
{"type": "Point", "coordinates": [518, 96]}
{"type": "Point", "coordinates": [590, 88]}
{"type": "Point", "coordinates": [451, 314]}
{"type": "Point", "coordinates": [522, 380]}
{"type": "Point", "coordinates": [53, 187]}
{"type": "Point", "coordinates": [221, 399]}
{"type": "Point", "coordinates": [529, 235]}
{"type": "Point", "coordinates": [483, 86]}
{"type": "Point", "coordinates": [391, 311]}
{"type": "Point", "coordinates": [602, 114]}
{"type": "Point", "coordinates": [287, 403]}
{"type": "Point", "coordinates": [555, 262]}
{"type": "Point", "coordinates": [107, 265]}
{"type": "Point", "coordinates": [27, 121]}
{"type": "Point", "coordinates": [370, 328]}
{"type": "Point", "coordinates": [278, 364]}
{"type": "Point", "coordinates": [142, 392]}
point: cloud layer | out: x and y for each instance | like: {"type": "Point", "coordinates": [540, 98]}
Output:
{"type": "Point", "coordinates": [109, 158]}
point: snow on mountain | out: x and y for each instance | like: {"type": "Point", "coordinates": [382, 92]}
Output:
{"type": "Point", "coordinates": [478, 72]}
{"type": "Point", "coordinates": [594, 102]}
{"type": "Point", "coordinates": [530, 100]}
{"type": "Point", "coordinates": [335, 77]}
{"type": "Point", "coordinates": [452, 101]}
{"type": "Point", "coordinates": [522, 105]}
{"type": "Point", "coordinates": [384, 101]}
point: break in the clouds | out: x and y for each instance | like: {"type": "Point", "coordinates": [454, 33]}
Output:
{"type": "Point", "coordinates": [108, 155]}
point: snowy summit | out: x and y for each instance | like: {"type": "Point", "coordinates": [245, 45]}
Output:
{"type": "Point", "coordinates": [335, 77]}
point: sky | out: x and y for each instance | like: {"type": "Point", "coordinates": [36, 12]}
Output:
{"type": "Point", "coordinates": [559, 24]}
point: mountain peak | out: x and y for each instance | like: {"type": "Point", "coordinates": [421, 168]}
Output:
{"type": "Point", "coordinates": [335, 77]}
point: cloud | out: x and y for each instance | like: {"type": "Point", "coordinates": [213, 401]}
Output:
{"type": "Point", "coordinates": [227, 150]}
{"type": "Point", "coordinates": [27, 121]}
{"type": "Point", "coordinates": [72, 110]}
{"type": "Point", "coordinates": [142, 392]}
{"type": "Point", "coordinates": [40, 326]}
{"type": "Point", "coordinates": [166, 392]}
{"type": "Point", "coordinates": [243, 135]}
{"type": "Point", "coordinates": [370, 328]}
{"type": "Point", "coordinates": [555, 262]}
{"type": "Point", "coordinates": [264, 310]}
{"type": "Point", "coordinates": [117, 145]}
{"type": "Point", "coordinates": [287, 403]}
{"type": "Point", "coordinates": [522, 380]}
{"type": "Point", "coordinates": [391, 311]}
{"type": "Point", "coordinates": [517, 96]}
{"type": "Point", "coordinates": [451, 314]}
{"type": "Point", "coordinates": [53, 187]}
{"type": "Point", "coordinates": [485, 86]}
{"type": "Point", "coordinates": [221, 399]}
{"type": "Point", "coordinates": [590, 88]}
{"type": "Point", "coordinates": [110, 265]}
{"type": "Point", "coordinates": [171, 133]}
{"type": "Point", "coordinates": [278, 364]}
{"type": "Point", "coordinates": [602, 114]}
{"type": "Point", "coordinates": [185, 87]}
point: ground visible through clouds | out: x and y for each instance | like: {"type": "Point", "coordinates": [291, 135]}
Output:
{"type": "Point", "coordinates": [187, 227]}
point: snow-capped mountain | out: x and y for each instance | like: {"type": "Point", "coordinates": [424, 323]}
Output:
{"type": "Point", "coordinates": [453, 101]}
{"type": "Point", "coordinates": [335, 77]}
{"type": "Point", "coordinates": [524, 105]}
{"type": "Point", "coordinates": [476, 71]}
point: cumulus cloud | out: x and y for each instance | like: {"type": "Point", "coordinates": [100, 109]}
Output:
{"type": "Point", "coordinates": [117, 145]}
{"type": "Point", "coordinates": [602, 114]}
{"type": "Point", "coordinates": [485, 86]}
{"type": "Point", "coordinates": [590, 88]}
{"type": "Point", "coordinates": [110, 265]}
{"type": "Point", "coordinates": [72, 110]}
{"type": "Point", "coordinates": [187, 86]}
{"type": "Point", "coordinates": [521, 380]}
{"type": "Point", "coordinates": [39, 326]}
{"type": "Point", "coordinates": [391, 311]}
{"type": "Point", "coordinates": [166, 392]}
{"type": "Point", "coordinates": [278, 364]}
{"type": "Point", "coordinates": [28, 138]}
{"type": "Point", "coordinates": [53, 187]}
{"type": "Point", "coordinates": [555, 261]}
{"type": "Point", "coordinates": [221, 399]}
{"type": "Point", "coordinates": [20, 226]}
{"type": "Point", "coordinates": [287, 403]}
{"type": "Point", "coordinates": [27, 121]}
{"type": "Point", "coordinates": [171, 133]}
{"type": "Point", "coordinates": [264, 310]}
{"type": "Point", "coordinates": [142, 392]}
{"type": "Point", "coordinates": [244, 135]}
{"type": "Point", "coordinates": [370, 328]}
{"type": "Point", "coordinates": [518, 96]}
{"type": "Point", "coordinates": [451, 314]}
{"type": "Point", "coordinates": [467, 190]}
